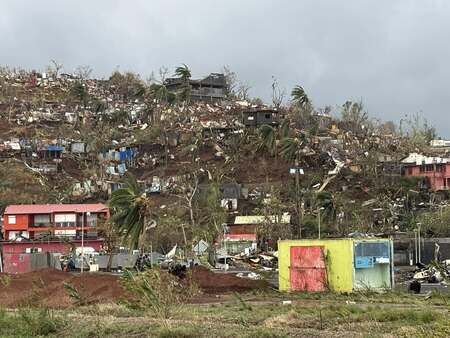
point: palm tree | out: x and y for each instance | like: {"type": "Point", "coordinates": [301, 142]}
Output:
{"type": "Point", "coordinates": [131, 211]}
{"type": "Point", "coordinates": [159, 92]}
{"type": "Point", "coordinates": [183, 72]}
{"type": "Point", "coordinates": [291, 148]}
{"type": "Point", "coordinates": [269, 136]}
{"type": "Point", "coordinates": [299, 97]}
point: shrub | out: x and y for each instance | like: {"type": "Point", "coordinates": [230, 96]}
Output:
{"type": "Point", "coordinates": [39, 322]}
{"type": "Point", "coordinates": [158, 291]}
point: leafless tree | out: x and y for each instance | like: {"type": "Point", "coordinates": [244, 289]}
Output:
{"type": "Point", "coordinates": [187, 192]}
{"type": "Point", "coordinates": [83, 72]}
{"type": "Point", "coordinates": [54, 68]}
{"type": "Point", "coordinates": [231, 81]}
{"type": "Point", "coordinates": [278, 94]}
{"type": "Point", "coordinates": [243, 92]}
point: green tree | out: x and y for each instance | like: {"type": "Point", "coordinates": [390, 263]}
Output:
{"type": "Point", "coordinates": [300, 98]}
{"type": "Point", "coordinates": [132, 211]}
{"type": "Point", "coordinates": [302, 109]}
{"type": "Point", "coordinates": [184, 73]}
{"type": "Point", "coordinates": [269, 136]}
{"type": "Point", "coordinates": [291, 148]}
{"type": "Point", "coordinates": [161, 93]}
{"type": "Point", "coordinates": [79, 92]}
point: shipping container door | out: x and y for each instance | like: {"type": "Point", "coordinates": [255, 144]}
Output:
{"type": "Point", "coordinates": [308, 270]}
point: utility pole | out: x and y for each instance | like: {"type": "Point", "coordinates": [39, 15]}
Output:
{"type": "Point", "coordinates": [415, 246]}
{"type": "Point", "coordinates": [318, 221]}
{"type": "Point", "coordinates": [82, 242]}
{"type": "Point", "coordinates": [297, 197]}
{"type": "Point", "coordinates": [298, 172]}
{"type": "Point", "coordinates": [419, 244]}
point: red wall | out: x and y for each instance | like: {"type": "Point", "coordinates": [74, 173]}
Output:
{"type": "Point", "coordinates": [242, 229]}
{"type": "Point", "coordinates": [15, 260]}
{"type": "Point", "coordinates": [55, 246]}
{"type": "Point", "coordinates": [16, 263]}
{"type": "Point", "coordinates": [22, 222]}
{"type": "Point", "coordinates": [436, 179]}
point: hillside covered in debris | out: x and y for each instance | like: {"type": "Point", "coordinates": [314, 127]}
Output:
{"type": "Point", "coordinates": [205, 152]}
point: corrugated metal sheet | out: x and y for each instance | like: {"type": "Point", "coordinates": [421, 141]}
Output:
{"type": "Point", "coordinates": [284, 219]}
{"type": "Point", "coordinates": [308, 270]}
{"type": "Point", "coordinates": [241, 237]}
{"type": "Point", "coordinates": [51, 208]}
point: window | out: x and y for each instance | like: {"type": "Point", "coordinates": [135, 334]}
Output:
{"type": "Point", "coordinates": [267, 116]}
{"type": "Point", "coordinates": [12, 219]}
{"type": "Point", "coordinates": [422, 168]}
{"type": "Point", "coordinates": [41, 220]}
{"type": "Point", "coordinates": [91, 220]}
{"type": "Point", "coordinates": [65, 220]}
{"type": "Point", "coordinates": [375, 249]}
{"type": "Point", "coordinates": [428, 167]}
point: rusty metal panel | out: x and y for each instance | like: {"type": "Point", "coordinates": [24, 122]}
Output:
{"type": "Point", "coordinates": [16, 263]}
{"type": "Point", "coordinates": [308, 270]}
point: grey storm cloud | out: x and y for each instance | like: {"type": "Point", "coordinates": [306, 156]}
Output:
{"type": "Point", "coordinates": [391, 54]}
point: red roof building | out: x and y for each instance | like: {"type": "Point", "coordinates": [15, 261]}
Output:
{"type": "Point", "coordinates": [36, 221]}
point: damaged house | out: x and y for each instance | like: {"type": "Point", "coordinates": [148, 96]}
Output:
{"type": "Point", "coordinates": [435, 170]}
{"type": "Point", "coordinates": [242, 234]}
{"type": "Point", "coordinates": [231, 192]}
{"type": "Point", "coordinates": [210, 88]}
{"type": "Point", "coordinates": [259, 116]}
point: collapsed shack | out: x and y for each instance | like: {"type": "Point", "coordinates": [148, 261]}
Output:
{"type": "Point", "coordinates": [434, 276]}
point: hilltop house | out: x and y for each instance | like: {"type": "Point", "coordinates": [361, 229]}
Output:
{"type": "Point", "coordinates": [435, 170]}
{"type": "Point", "coordinates": [210, 88]}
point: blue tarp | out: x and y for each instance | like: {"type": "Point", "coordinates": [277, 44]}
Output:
{"type": "Point", "coordinates": [123, 156]}
{"type": "Point", "coordinates": [54, 148]}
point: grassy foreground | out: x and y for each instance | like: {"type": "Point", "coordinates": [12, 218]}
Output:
{"type": "Point", "coordinates": [248, 315]}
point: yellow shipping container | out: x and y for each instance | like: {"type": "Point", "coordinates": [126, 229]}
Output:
{"type": "Point", "coordinates": [340, 265]}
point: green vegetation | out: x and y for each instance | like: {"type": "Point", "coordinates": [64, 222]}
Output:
{"type": "Point", "coordinates": [157, 292]}
{"type": "Point", "coordinates": [247, 315]}
{"type": "Point", "coordinates": [131, 210]}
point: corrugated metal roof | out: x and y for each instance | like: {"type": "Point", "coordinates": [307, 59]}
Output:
{"type": "Point", "coordinates": [240, 237]}
{"type": "Point", "coordinates": [50, 208]}
{"type": "Point", "coordinates": [418, 159]}
{"type": "Point", "coordinates": [285, 219]}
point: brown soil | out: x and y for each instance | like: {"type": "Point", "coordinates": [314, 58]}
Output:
{"type": "Point", "coordinates": [210, 282]}
{"type": "Point", "coordinates": [46, 287]}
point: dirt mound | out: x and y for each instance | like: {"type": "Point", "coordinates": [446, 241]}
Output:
{"type": "Point", "coordinates": [46, 287]}
{"type": "Point", "coordinates": [211, 282]}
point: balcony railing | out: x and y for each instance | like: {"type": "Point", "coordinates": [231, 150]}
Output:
{"type": "Point", "coordinates": [89, 224]}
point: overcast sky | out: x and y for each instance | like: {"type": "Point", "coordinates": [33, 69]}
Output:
{"type": "Point", "coordinates": [392, 54]}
